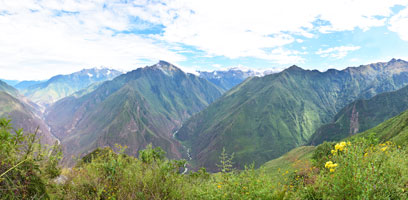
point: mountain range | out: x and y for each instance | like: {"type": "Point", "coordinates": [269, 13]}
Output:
{"type": "Point", "coordinates": [140, 107]}
{"type": "Point", "coordinates": [257, 115]}
{"type": "Point", "coordinates": [362, 115]}
{"type": "Point", "coordinates": [227, 79]}
{"type": "Point", "coordinates": [264, 117]}
{"type": "Point", "coordinates": [45, 93]}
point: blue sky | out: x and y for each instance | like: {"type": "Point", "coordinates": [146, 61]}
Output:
{"type": "Point", "coordinates": [42, 38]}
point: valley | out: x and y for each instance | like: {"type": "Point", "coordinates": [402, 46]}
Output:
{"type": "Point", "coordinates": [206, 100]}
{"type": "Point", "coordinates": [262, 121]}
{"type": "Point", "coordinates": [260, 117]}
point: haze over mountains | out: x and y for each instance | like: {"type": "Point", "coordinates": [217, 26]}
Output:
{"type": "Point", "coordinates": [226, 79]}
{"type": "Point", "coordinates": [258, 116]}
{"type": "Point", "coordinates": [47, 92]}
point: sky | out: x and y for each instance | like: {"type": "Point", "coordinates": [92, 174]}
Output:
{"type": "Point", "coordinates": [42, 38]}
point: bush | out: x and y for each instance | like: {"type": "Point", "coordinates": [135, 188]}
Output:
{"type": "Point", "coordinates": [26, 167]}
{"type": "Point", "coordinates": [108, 175]}
{"type": "Point", "coordinates": [362, 170]}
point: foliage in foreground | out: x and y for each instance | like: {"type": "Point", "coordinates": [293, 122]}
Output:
{"type": "Point", "coordinates": [361, 169]}
{"type": "Point", "coordinates": [26, 167]}
{"type": "Point", "coordinates": [358, 169]}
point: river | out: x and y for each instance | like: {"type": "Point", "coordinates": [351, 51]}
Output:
{"type": "Point", "coordinates": [188, 153]}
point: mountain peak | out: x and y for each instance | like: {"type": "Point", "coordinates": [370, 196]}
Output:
{"type": "Point", "coordinates": [294, 68]}
{"type": "Point", "coordinates": [166, 67]}
{"type": "Point", "coordinates": [162, 62]}
{"type": "Point", "coordinates": [395, 61]}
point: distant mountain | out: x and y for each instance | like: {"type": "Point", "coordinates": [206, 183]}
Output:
{"type": "Point", "coordinates": [361, 115]}
{"type": "Point", "coordinates": [8, 89]}
{"type": "Point", "coordinates": [26, 84]}
{"type": "Point", "coordinates": [264, 117]}
{"type": "Point", "coordinates": [137, 108]}
{"type": "Point", "coordinates": [226, 79]}
{"type": "Point", "coordinates": [10, 82]}
{"type": "Point", "coordinates": [23, 113]}
{"type": "Point", "coordinates": [58, 87]}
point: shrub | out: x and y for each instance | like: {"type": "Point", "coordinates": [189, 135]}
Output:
{"type": "Point", "coordinates": [362, 170]}
{"type": "Point", "coordinates": [26, 167]}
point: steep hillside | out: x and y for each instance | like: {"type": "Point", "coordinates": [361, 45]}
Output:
{"type": "Point", "coordinates": [264, 117]}
{"type": "Point", "coordinates": [141, 107]}
{"type": "Point", "coordinates": [22, 113]}
{"type": "Point", "coordinates": [58, 87]}
{"type": "Point", "coordinates": [8, 89]}
{"type": "Point", "coordinates": [394, 129]}
{"type": "Point", "coordinates": [361, 115]}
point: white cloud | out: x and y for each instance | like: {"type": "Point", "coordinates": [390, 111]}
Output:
{"type": "Point", "coordinates": [37, 37]}
{"type": "Point", "coordinates": [42, 44]}
{"type": "Point", "coordinates": [399, 24]}
{"type": "Point", "coordinates": [238, 28]}
{"type": "Point", "coordinates": [337, 52]}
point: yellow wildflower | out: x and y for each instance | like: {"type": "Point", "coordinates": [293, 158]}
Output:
{"type": "Point", "coordinates": [332, 170]}
{"type": "Point", "coordinates": [219, 186]}
{"type": "Point", "coordinates": [328, 163]}
{"type": "Point", "coordinates": [384, 148]}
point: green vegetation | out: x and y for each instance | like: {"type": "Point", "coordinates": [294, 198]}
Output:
{"type": "Point", "coordinates": [394, 129]}
{"type": "Point", "coordinates": [135, 109]}
{"type": "Point", "coordinates": [362, 115]}
{"type": "Point", "coordinates": [361, 168]}
{"type": "Point", "coordinates": [26, 167]}
{"type": "Point", "coordinates": [265, 117]}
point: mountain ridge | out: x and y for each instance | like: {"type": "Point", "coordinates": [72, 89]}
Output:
{"type": "Point", "coordinates": [140, 107]}
{"type": "Point", "coordinates": [264, 117]}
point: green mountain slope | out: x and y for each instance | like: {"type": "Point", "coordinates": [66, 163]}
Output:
{"type": "Point", "coordinates": [298, 158]}
{"type": "Point", "coordinates": [23, 113]}
{"type": "Point", "coordinates": [265, 117]}
{"type": "Point", "coordinates": [141, 107]}
{"type": "Point", "coordinates": [58, 87]}
{"type": "Point", "coordinates": [362, 115]}
{"type": "Point", "coordinates": [394, 129]}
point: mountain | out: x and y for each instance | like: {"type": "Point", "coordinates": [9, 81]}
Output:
{"type": "Point", "coordinates": [227, 79]}
{"type": "Point", "coordinates": [4, 87]}
{"type": "Point", "coordinates": [137, 108]}
{"type": "Point", "coordinates": [265, 117]}
{"type": "Point", "coordinates": [60, 86]}
{"type": "Point", "coordinates": [23, 114]}
{"type": "Point", "coordinates": [361, 115]}
{"type": "Point", "coordinates": [394, 130]}
{"type": "Point", "coordinates": [10, 82]}
{"type": "Point", "coordinates": [26, 84]}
